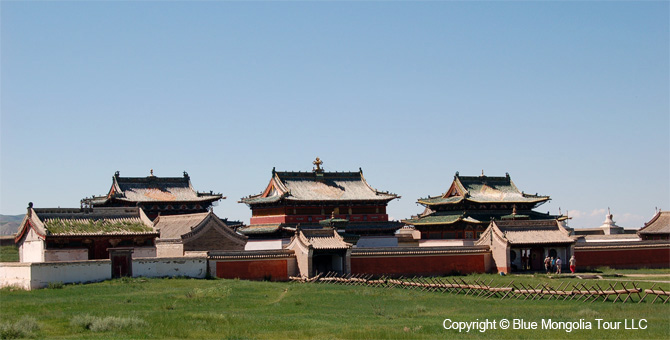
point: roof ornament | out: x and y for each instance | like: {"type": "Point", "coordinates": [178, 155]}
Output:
{"type": "Point", "coordinates": [482, 173]}
{"type": "Point", "coordinates": [151, 173]}
{"type": "Point", "coordinates": [185, 174]}
{"type": "Point", "coordinates": [116, 173]}
{"type": "Point", "coordinates": [318, 163]}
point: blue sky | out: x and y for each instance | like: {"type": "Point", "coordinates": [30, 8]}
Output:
{"type": "Point", "coordinates": [572, 99]}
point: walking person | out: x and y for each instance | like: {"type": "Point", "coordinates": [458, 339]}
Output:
{"type": "Point", "coordinates": [573, 264]}
{"type": "Point", "coordinates": [558, 265]}
{"type": "Point", "coordinates": [553, 264]}
{"type": "Point", "coordinates": [547, 264]}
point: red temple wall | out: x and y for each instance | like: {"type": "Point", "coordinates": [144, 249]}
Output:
{"type": "Point", "coordinates": [420, 265]}
{"type": "Point", "coordinates": [274, 269]}
{"type": "Point", "coordinates": [623, 258]}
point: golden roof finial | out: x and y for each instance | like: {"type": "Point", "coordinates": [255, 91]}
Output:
{"type": "Point", "coordinates": [514, 209]}
{"type": "Point", "coordinates": [318, 163]}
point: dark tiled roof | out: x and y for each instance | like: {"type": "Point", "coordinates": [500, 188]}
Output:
{"type": "Point", "coordinates": [659, 224]}
{"type": "Point", "coordinates": [451, 217]}
{"type": "Point", "coordinates": [485, 189]}
{"type": "Point", "coordinates": [319, 186]}
{"type": "Point", "coordinates": [152, 189]}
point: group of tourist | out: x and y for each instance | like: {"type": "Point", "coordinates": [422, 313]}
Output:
{"type": "Point", "coordinates": [553, 264]}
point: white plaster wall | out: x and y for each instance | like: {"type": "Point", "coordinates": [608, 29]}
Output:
{"type": "Point", "coordinates": [59, 255]}
{"type": "Point", "coordinates": [15, 274]}
{"type": "Point", "coordinates": [139, 252]}
{"type": "Point", "coordinates": [169, 249]}
{"type": "Point", "coordinates": [195, 267]}
{"type": "Point", "coordinates": [32, 248]}
{"type": "Point", "coordinates": [263, 244]}
{"type": "Point", "coordinates": [70, 272]}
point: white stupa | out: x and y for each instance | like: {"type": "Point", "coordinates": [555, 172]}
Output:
{"type": "Point", "coordinates": [609, 227]}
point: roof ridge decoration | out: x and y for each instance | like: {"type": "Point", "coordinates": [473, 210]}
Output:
{"type": "Point", "coordinates": [483, 189]}
{"type": "Point", "coordinates": [318, 186]}
{"type": "Point", "coordinates": [152, 189]}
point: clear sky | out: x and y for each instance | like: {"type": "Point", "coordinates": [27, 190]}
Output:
{"type": "Point", "coordinates": [570, 98]}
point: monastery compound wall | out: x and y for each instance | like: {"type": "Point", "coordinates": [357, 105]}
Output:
{"type": "Point", "coordinates": [39, 274]}
{"type": "Point", "coordinates": [279, 265]}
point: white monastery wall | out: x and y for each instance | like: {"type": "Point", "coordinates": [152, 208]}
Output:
{"type": "Point", "coordinates": [15, 274]}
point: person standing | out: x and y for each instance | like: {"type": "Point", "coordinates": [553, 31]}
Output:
{"type": "Point", "coordinates": [573, 264]}
{"type": "Point", "coordinates": [558, 265]}
{"type": "Point", "coordinates": [547, 264]}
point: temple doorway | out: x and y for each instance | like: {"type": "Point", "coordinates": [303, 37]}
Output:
{"type": "Point", "coordinates": [327, 263]}
{"type": "Point", "coordinates": [122, 262]}
{"type": "Point", "coordinates": [537, 259]}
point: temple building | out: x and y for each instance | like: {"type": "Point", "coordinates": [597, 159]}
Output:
{"type": "Point", "coordinates": [658, 228]}
{"type": "Point", "coordinates": [321, 250]}
{"type": "Point", "coordinates": [518, 245]}
{"type": "Point", "coordinates": [155, 195]}
{"type": "Point", "coordinates": [75, 234]}
{"type": "Point", "coordinates": [303, 199]}
{"type": "Point", "coordinates": [196, 234]}
{"type": "Point", "coordinates": [465, 210]}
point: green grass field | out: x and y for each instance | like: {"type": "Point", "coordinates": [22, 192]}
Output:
{"type": "Point", "coordinates": [235, 309]}
{"type": "Point", "coordinates": [9, 254]}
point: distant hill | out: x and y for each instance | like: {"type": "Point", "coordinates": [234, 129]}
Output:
{"type": "Point", "coordinates": [9, 224]}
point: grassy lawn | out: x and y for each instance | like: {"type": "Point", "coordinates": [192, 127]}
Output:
{"type": "Point", "coordinates": [9, 254]}
{"type": "Point", "coordinates": [234, 309]}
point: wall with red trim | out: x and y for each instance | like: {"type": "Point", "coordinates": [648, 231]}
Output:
{"type": "Point", "coordinates": [623, 258]}
{"type": "Point", "coordinates": [420, 265]}
{"type": "Point", "coordinates": [263, 269]}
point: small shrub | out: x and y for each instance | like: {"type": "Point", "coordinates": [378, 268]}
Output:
{"type": "Point", "coordinates": [110, 323]}
{"type": "Point", "coordinates": [21, 329]}
{"type": "Point", "coordinates": [84, 321]}
{"type": "Point", "coordinates": [55, 285]}
{"type": "Point", "coordinates": [113, 323]}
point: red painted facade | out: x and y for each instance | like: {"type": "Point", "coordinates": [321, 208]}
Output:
{"type": "Point", "coordinates": [266, 269]}
{"type": "Point", "coordinates": [419, 265]}
{"type": "Point", "coordinates": [623, 258]}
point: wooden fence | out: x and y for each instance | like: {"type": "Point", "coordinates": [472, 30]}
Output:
{"type": "Point", "coordinates": [619, 291]}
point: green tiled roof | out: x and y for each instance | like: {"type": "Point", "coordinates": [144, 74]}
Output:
{"type": "Point", "coordinates": [450, 217]}
{"type": "Point", "coordinates": [259, 229]}
{"type": "Point", "coordinates": [437, 218]}
{"type": "Point", "coordinates": [102, 226]}
{"type": "Point", "coordinates": [485, 189]}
